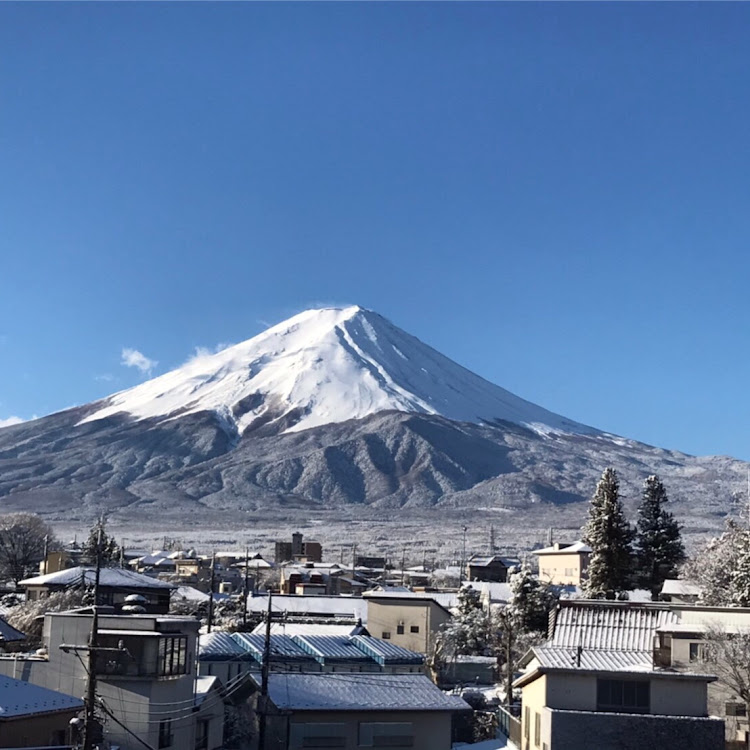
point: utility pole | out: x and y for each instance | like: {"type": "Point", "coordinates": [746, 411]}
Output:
{"type": "Point", "coordinates": [492, 540]}
{"type": "Point", "coordinates": [211, 593]}
{"type": "Point", "coordinates": [244, 588]}
{"type": "Point", "coordinates": [403, 563]}
{"type": "Point", "coordinates": [463, 557]}
{"type": "Point", "coordinates": [90, 720]}
{"type": "Point", "coordinates": [354, 559]}
{"type": "Point", "coordinates": [263, 698]}
{"type": "Point", "coordinates": [46, 552]}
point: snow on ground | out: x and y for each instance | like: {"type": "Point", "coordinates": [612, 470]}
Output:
{"type": "Point", "coordinates": [332, 365]}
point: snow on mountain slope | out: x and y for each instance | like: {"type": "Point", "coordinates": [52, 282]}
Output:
{"type": "Point", "coordinates": [329, 365]}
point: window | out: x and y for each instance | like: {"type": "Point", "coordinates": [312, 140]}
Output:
{"type": "Point", "coordinates": [165, 733]}
{"type": "Point", "coordinates": [537, 729]}
{"type": "Point", "coordinates": [623, 696]}
{"type": "Point", "coordinates": [317, 735]}
{"type": "Point", "coordinates": [386, 734]}
{"type": "Point", "coordinates": [570, 572]}
{"type": "Point", "coordinates": [173, 656]}
{"type": "Point", "coordinates": [696, 652]}
{"type": "Point", "coordinates": [526, 723]}
{"type": "Point", "coordinates": [414, 629]}
{"type": "Point", "coordinates": [399, 629]}
{"type": "Point", "coordinates": [735, 709]}
{"type": "Point", "coordinates": [386, 635]}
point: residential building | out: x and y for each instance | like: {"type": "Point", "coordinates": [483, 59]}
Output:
{"type": "Point", "coordinates": [146, 681]}
{"type": "Point", "coordinates": [355, 711]}
{"type": "Point", "coordinates": [115, 585]}
{"type": "Point", "coordinates": [679, 591]}
{"type": "Point", "coordinates": [490, 567]}
{"type": "Point", "coordinates": [408, 620]}
{"type": "Point", "coordinates": [582, 699]}
{"type": "Point", "coordinates": [297, 550]}
{"type": "Point", "coordinates": [228, 655]}
{"type": "Point", "coordinates": [595, 685]}
{"type": "Point", "coordinates": [34, 716]}
{"type": "Point", "coordinates": [564, 564]}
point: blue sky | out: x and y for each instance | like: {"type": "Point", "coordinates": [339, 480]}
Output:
{"type": "Point", "coordinates": [554, 195]}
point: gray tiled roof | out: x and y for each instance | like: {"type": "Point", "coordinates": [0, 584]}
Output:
{"type": "Point", "coordinates": [359, 692]}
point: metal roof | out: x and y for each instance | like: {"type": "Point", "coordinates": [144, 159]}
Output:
{"type": "Point", "coordinates": [385, 652]}
{"type": "Point", "coordinates": [309, 628]}
{"type": "Point", "coordinates": [354, 691]}
{"type": "Point", "coordinates": [596, 660]}
{"type": "Point", "coordinates": [9, 634]}
{"type": "Point", "coordinates": [327, 648]}
{"type": "Point", "coordinates": [608, 626]}
{"type": "Point", "coordinates": [283, 648]}
{"type": "Point", "coordinates": [675, 587]}
{"type": "Point", "coordinates": [220, 646]}
{"type": "Point", "coordinates": [18, 698]}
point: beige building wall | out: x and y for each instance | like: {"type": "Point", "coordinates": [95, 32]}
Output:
{"type": "Point", "coordinates": [419, 619]}
{"type": "Point", "coordinates": [534, 701]}
{"type": "Point", "coordinates": [563, 569]}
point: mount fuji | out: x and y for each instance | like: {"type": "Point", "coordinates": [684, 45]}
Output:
{"type": "Point", "coordinates": [332, 409]}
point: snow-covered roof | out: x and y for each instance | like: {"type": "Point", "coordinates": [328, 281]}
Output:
{"type": "Point", "coordinates": [19, 698]}
{"type": "Point", "coordinates": [204, 684]}
{"type": "Point", "coordinates": [445, 600]}
{"type": "Point", "coordinates": [497, 592]}
{"type": "Point", "coordinates": [676, 587]}
{"type": "Point", "coordinates": [190, 594]}
{"type": "Point", "coordinates": [283, 648]}
{"type": "Point", "coordinates": [110, 577]}
{"type": "Point", "coordinates": [563, 549]}
{"type": "Point", "coordinates": [342, 607]}
{"type": "Point", "coordinates": [595, 625]}
{"type": "Point", "coordinates": [357, 691]}
{"type": "Point", "coordinates": [308, 628]}
{"type": "Point", "coordinates": [483, 561]}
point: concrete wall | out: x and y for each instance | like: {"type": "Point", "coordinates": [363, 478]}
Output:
{"type": "Point", "coordinates": [384, 616]}
{"type": "Point", "coordinates": [604, 731]}
{"type": "Point", "coordinates": [431, 729]}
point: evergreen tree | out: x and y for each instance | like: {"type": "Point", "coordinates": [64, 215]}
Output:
{"type": "Point", "coordinates": [610, 537]}
{"type": "Point", "coordinates": [109, 550]}
{"type": "Point", "coordinates": [530, 602]}
{"type": "Point", "coordinates": [467, 633]}
{"type": "Point", "coordinates": [739, 589]}
{"type": "Point", "coordinates": [658, 543]}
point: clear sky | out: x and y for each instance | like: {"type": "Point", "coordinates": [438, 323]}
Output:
{"type": "Point", "coordinates": [555, 195]}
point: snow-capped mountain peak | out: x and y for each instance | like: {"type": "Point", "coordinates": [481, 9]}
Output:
{"type": "Point", "coordinates": [328, 365]}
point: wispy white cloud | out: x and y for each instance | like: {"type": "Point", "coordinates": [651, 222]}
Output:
{"type": "Point", "coordinates": [106, 377]}
{"type": "Point", "coordinates": [134, 358]}
{"type": "Point", "coordinates": [8, 421]}
{"type": "Point", "coordinates": [207, 351]}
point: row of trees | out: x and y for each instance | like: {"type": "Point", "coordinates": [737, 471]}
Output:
{"type": "Point", "coordinates": [623, 557]}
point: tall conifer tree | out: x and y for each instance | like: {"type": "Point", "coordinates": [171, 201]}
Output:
{"type": "Point", "coordinates": [610, 537]}
{"type": "Point", "coordinates": [658, 542]}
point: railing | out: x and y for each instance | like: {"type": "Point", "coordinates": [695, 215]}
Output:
{"type": "Point", "coordinates": [509, 725]}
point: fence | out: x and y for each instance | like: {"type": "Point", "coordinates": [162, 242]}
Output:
{"type": "Point", "coordinates": [509, 725]}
